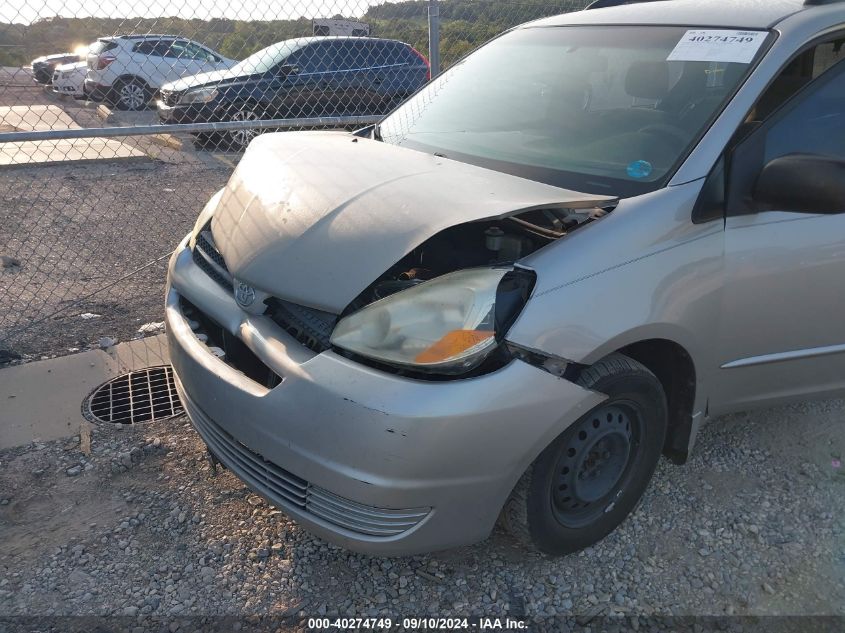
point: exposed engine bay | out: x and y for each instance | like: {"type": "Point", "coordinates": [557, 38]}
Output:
{"type": "Point", "coordinates": [476, 244]}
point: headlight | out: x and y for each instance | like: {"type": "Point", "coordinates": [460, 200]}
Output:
{"type": "Point", "coordinates": [447, 325]}
{"type": "Point", "coordinates": [202, 95]}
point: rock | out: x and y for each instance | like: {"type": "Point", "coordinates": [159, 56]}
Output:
{"type": "Point", "coordinates": [106, 342]}
{"type": "Point", "coordinates": [151, 328]}
{"type": "Point", "coordinates": [74, 471]}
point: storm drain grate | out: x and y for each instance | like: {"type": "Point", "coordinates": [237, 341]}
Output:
{"type": "Point", "coordinates": [139, 396]}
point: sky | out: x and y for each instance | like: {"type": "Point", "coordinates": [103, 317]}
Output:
{"type": "Point", "coordinates": [27, 11]}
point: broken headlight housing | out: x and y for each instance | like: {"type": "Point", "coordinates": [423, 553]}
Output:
{"type": "Point", "coordinates": [448, 325]}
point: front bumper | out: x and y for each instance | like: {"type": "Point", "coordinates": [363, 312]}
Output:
{"type": "Point", "coordinates": [96, 92]}
{"type": "Point", "coordinates": [194, 113]}
{"type": "Point", "coordinates": [436, 460]}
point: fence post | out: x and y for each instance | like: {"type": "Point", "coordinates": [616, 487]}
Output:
{"type": "Point", "coordinates": [434, 36]}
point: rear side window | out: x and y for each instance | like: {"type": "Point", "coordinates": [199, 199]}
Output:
{"type": "Point", "coordinates": [155, 48]}
{"type": "Point", "coordinates": [101, 46]}
{"type": "Point", "coordinates": [349, 55]}
{"type": "Point", "coordinates": [388, 54]}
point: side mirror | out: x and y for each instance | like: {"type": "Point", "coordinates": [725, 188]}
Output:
{"type": "Point", "coordinates": [806, 183]}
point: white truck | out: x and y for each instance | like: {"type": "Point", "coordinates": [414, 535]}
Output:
{"type": "Point", "coordinates": [347, 28]}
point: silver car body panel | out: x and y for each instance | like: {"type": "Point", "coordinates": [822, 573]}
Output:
{"type": "Point", "coordinates": [367, 436]}
{"type": "Point", "coordinates": [744, 14]}
{"type": "Point", "coordinates": [362, 205]}
{"type": "Point", "coordinates": [643, 272]}
{"type": "Point", "coordinates": [315, 218]}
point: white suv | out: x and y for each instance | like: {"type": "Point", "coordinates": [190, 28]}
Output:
{"type": "Point", "coordinates": [128, 70]}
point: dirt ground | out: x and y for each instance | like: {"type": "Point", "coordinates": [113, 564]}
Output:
{"type": "Point", "coordinates": [751, 526]}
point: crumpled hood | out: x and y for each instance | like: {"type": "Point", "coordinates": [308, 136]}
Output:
{"type": "Point", "coordinates": [316, 217]}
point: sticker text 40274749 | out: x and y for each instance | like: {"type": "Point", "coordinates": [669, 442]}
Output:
{"type": "Point", "coordinates": [718, 46]}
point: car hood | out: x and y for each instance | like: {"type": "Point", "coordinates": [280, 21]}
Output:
{"type": "Point", "coordinates": [52, 58]}
{"type": "Point", "coordinates": [75, 66]}
{"type": "Point", "coordinates": [215, 77]}
{"type": "Point", "coordinates": [316, 217]}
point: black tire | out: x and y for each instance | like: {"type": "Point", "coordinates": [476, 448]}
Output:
{"type": "Point", "coordinates": [131, 95]}
{"type": "Point", "coordinates": [209, 141]}
{"type": "Point", "coordinates": [593, 475]}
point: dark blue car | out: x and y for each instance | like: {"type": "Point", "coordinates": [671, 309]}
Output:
{"type": "Point", "coordinates": [307, 77]}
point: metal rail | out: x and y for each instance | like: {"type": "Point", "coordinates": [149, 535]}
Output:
{"type": "Point", "coordinates": [181, 128]}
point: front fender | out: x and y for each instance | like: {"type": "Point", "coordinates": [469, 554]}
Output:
{"type": "Point", "coordinates": [643, 272]}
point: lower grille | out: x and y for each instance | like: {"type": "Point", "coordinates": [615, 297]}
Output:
{"type": "Point", "coordinates": [281, 485]}
{"type": "Point", "coordinates": [286, 489]}
{"type": "Point", "coordinates": [227, 347]}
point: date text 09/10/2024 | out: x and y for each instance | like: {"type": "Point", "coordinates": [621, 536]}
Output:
{"type": "Point", "coordinates": [418, 624]}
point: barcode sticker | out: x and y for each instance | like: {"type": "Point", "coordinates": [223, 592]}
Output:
{"type": "Point", "coordinates": [718, 46]}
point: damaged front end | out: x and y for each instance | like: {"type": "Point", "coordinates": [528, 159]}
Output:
{"type": "Point", "coordinates": [375, 264]}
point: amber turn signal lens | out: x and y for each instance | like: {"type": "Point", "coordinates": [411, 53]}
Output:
{"type": "Point", "coordinates": [454, 343]}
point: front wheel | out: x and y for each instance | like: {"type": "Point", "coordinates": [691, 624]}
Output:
{"type": "Point", "coordinates": [132, 94]}
{"type": "Point", "coordinates": [240, 139]}
{"type": "Point", "coordinates": [592, 476]}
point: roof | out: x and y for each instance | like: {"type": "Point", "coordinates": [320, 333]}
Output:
{"type": "Point", "coordinates": [142, 36]}
{"type": "Point", "coordinates": [743, 14]}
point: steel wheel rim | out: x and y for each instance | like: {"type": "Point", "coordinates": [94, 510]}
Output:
{"type": "Point", "coordinates": [595, 465]}
{"type": "Point", "coordinates": [132, 95]}
{"type": "Point", "coordinates": [243, 137]}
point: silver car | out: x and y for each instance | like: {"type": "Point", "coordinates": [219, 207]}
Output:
{"type": "Point", "coordinates": [541, 273]}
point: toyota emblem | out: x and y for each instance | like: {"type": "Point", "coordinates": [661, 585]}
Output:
{"type": "Point", "coordinates": [244, 294]}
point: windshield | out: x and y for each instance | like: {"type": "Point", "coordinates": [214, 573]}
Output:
{"type": "Point", "coordinates": [267, 58]}
{"type": "Point", "coordinates": [597, 109]}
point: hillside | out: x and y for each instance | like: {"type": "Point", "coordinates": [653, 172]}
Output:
{"type": "Point", "coordinates": [465, 24]}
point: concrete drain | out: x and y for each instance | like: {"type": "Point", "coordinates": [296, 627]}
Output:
{"type": "Point", "coordinates": [139, 396]}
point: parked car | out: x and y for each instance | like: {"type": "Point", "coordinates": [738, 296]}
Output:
{"type": "Point", "coordinates": [43, 67]}
{"type": "Point", "coordinates": [544, 270]}
{"type": "Point", "coordinates": [69, 79]}
{"type": "Point", "coordinates": [128, 70]}
{"type": "Point", "coordinates": [314, 76]}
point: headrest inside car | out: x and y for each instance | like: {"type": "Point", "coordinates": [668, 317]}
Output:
{"type": "Point", "coordinates": [647, 80]}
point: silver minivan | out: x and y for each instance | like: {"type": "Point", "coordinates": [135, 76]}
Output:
{"type": "Point", "coordinates": [538, 275]}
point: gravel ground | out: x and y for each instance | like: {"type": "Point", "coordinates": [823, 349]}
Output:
{"type": "Point", "coordinates": [752, 525]}
{"type": "Point", "coordinates": [67, 231]}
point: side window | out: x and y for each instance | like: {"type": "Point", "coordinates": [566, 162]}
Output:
{"type": "Point", "coordinates": [816, 125]}
{"type": "Point", "coordinates": [314, 58]}
{"type": "Point", "coordinates": [178, 50]}
{"type": "Point", "coordinates": [827, 55]}
{"type": "Point", "coordinates": [161, 48]}
{"type": "Point", "coordinates": [808, 66]}
{"type": "Point", "coordinates": [346, 55]}
{"type": "Point", "coordinates": [807, 132]}
{"type": "Point", "coordinates": [145, 48]}
{"type": "Point", "coordinates": [198, 52]}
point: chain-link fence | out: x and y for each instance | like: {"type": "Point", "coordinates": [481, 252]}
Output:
{"type": "Point", "coordinates": [118, 120]}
